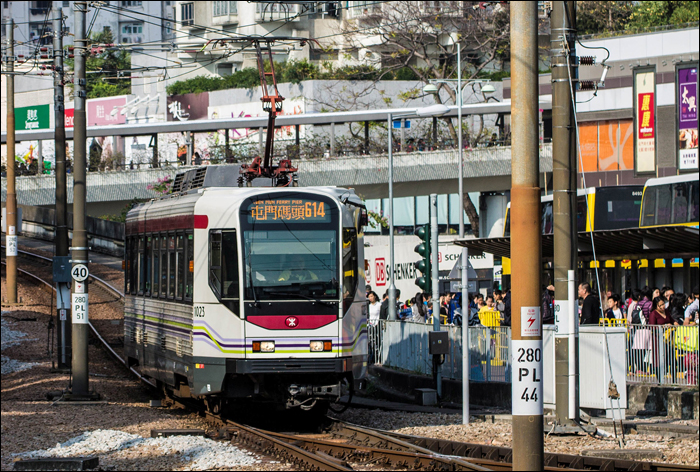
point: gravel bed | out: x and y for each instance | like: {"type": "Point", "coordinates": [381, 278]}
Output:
{"type": "Point", "coordinates": [449, 426]}
{"type": "Point", "coordinates": [199, 452]}
{"type": "Point", "coordinates": [11, 338]}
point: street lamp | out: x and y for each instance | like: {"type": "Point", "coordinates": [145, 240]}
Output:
{"type": "Point", "coordinates": [486, 87]}
{"type": "Point", "coordinates": [433, 110]}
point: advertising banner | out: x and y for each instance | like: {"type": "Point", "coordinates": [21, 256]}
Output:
{"type": "Point", "coordinates": [34, 117]}
{"type": "Point", "coordinates": [69, 116]}
{"type": "Point", "coordinates": [106, 111]}
{"type": "Point", "coordinates": [645, 121]}
{"type": "Point", "coordinates": [191, 106]}
{"type": "Point", "coordinates": [687, 101]}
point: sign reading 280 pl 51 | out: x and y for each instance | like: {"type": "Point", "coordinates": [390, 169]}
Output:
{"type": "Point", "coordinates": [288, 210]}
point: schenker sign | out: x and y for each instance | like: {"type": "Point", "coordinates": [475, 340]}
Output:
{"type": "Point", "coordinates": [377, 263]}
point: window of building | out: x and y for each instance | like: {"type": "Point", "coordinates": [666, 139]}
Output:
{"type": "Point", "coordinates": [224, 69]}
{"type": "Point", "coordinates": [131, 4]}
{"type": "Point", "coordinates": [65, 4]}
{"type": "Point", "coordinates": [132, 28]}
{"type": "Point", "coordinates": [187, 10]}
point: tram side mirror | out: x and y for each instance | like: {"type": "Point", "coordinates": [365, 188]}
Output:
{"type": "Point", "coordinates": [363, 217]}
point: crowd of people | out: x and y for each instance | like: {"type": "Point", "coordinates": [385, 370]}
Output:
{"type": "Point", "coordinates": [646, 306]}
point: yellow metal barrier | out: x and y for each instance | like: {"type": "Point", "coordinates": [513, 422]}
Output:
{"type": "Point", "coordinates": [612, 322]}
{"type": "Point", "coordinates": [490, 319]}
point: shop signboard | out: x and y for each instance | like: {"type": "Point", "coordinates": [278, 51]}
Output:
{"type": "Point", "coordinates": [645, 119]}
{"type": "Point", "coordinates": [188, 107]}
{"type": "Point", "coordinates": [106, 111]}
{"type": "Point", "coordinates": [33, 117]}
{"type": "Point", "coordinates": [687, 118]}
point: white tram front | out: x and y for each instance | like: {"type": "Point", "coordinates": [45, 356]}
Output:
{"type": "Point", "coordinates": [247, 293]}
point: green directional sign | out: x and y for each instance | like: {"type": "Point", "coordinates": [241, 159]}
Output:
{"type": "Point", "coordinates": [34, 117]}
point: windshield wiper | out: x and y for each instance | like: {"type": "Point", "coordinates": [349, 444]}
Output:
{"type": "Point", "coordinates": [298, 295]}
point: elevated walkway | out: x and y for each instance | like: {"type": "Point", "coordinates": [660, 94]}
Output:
{"type": "Point", "coordinates": [416, 173]}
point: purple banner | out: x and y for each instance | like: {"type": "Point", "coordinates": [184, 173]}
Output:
{"type": "Point", "coordinates": [688, 98]}
{"type": "Point", "coordinates": [688, 117]}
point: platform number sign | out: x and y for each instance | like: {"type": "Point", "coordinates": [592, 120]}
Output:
{"type": "Point", "coordinates": [79, 272]}
{"type": "Point", "coordinates": [527, 377]}
{"type": "Point", "coordinates": [79, 307]}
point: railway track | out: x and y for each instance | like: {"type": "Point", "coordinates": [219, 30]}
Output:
{"type": "Point", "coordinates": [350, 447]}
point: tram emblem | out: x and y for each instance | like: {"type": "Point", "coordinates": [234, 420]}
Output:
{"type": "Point", "coordinates": [291, 322]}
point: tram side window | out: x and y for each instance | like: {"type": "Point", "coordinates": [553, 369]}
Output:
{"type": "Point", "coordinates": [149, 267]}
{"type": "Point", "coordinates": [172, 264]}
{"type": "Point", "coordinates": [680, 203]}
{"type": "Point", "coordinates": [180, 265]}
{"type": "Point", "coordinates": [663, 208]}
{"type": "Point", "coordinates": [163, 266]}
{"type": "Point", "coordinates": [127, 266]}
{"type": "Point", "coordinates": [229, 267]}
{"type": "Point", "coordinates": [215, 262]}
{"type": "Point", "coordinates": [350, 275]}
{"type": "Point", "coordinates": [189, 267]}
{"type": "Point", "coordinates": [649, 209]}
{"type": "Point", "coordinates": [142, 265]}
{"type": "Point", "coordinates": [155, 251]}
{"type": "Point", "coordinates": [694, 206]}
{"type": "Point", "coordinates": [133, 265]}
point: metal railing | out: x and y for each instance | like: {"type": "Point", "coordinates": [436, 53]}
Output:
{"type": "Point", "coordinates": [406, 347]}
{"type": "Point", "coordinates": [662, 355]}
{"type": "Point", "coordinates": [666, 355]}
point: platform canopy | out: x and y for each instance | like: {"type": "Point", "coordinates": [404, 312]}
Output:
{"type": "Point", "coordinates": [622, 244]}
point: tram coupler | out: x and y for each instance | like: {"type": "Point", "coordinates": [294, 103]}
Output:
{"type": "Point", "coordinates": [302, 393]}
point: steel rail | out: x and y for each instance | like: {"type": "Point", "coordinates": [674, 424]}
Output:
{"type": "Point", "coordinates": [501, 454]}
{"type": "Point", "coordinates": [391, 456]}
{"type": "Point", "coordinates": [107, 287]}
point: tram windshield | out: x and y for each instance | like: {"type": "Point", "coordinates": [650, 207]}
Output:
{"type": "Point", "coordinates": [290, 249]}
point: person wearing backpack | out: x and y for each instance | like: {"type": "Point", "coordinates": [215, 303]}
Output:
{"type": "Point", "coordinates": [641, 337]}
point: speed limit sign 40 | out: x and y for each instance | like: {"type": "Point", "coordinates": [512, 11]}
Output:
{"type": "Point", "coordinates": [79, 272]}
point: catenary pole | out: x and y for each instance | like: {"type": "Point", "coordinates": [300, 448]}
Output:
{"type": "Point", "coordinates": [564, 210]}
{"type": "Point", "coordinates": [434, 260]}
{"type": "Point", "coordinates": [61, 213]}
{"type": "Point", "coordinates": [391, 314]}
{"type": "Point", "coordinates": [11, 202]}
{"type": "Point", "coordinates": [79, 251]}
{"type": "Point", "coordinates": [526, 249]}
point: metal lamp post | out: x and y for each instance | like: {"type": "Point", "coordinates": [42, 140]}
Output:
{"type": "Point", "coordinates": [488, 88]}
{"type": "Point", "coordinates": [433, 110]}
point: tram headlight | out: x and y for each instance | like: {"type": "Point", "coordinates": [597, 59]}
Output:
{"type": "Point", "coordinates": [267, 346]}
{"type": "Point", "coordinates": [320, 346]}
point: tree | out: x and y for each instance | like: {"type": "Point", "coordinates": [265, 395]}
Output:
{"type": "Point", "coordinates": [103, 66]}
{"type": "Point", "coordinates": [597, 16]}
{"type": "Point", "coordinates": [422, 37]}
{"type": "Point", "coordinates": [650, 14]}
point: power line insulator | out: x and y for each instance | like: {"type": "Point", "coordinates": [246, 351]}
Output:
{"type": "Point", "coordinates": [587, 60]}
{"type": "Point", "coordinates": [584, 85]}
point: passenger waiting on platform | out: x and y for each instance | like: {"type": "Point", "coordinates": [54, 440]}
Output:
{"type": "Point", "coordinates": [667, 292]}
{"type": "Point", "coordinates": [374, 308]}
{"type": "Point", "coordinates": [676, 308]}
{"type": "Point", "coordinates": [590, 311]}
{"type": "Point", "coordinates": [488, 305]}
{"type": "Point", "coordinates": [498, 300]}
{"type": "Point", "coordinates": [384, 313]}
{"type": "Point", "coordinates": [641, 337]}
{"type": "Point", "coordinates": [505, 315]}
{"type": "Point", "coordinates": [658, 317]}
{"type": "Point", "coordinates": [368, 288]}
{"type": "Point", "coordinates": [655, 292]}
{"type": "Point", "coordinates": [614, 311]}
{"type": "Point", "coordinates": [418, 309]}
{"type": "Point", "coordinates": [646, 302]}
{"type": "Point", "coordinates": [692, 310]}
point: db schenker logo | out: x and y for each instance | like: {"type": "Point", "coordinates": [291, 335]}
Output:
{"type": "Point", "coordinates": [380, 272]}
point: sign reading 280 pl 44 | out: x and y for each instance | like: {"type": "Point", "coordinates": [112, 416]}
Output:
{"type": "Point", "coordinates": [288, 210]}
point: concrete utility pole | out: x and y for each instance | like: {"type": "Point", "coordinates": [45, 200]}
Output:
{"type": "Point", "coordinates": [563, 22]}
{"type": "Point", "coordinates": [391, 315]}
{"type": "Point", "coordinates": [11, 204]}
{"type": "Point", "coordinates": [79, 271]}
{"type": "Point", "coordinates": [526, 247]}
{"type": "Point", "coordinates": [61, 259]}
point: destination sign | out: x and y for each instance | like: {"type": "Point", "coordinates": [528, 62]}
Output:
{"type": "Point", "coordinates": [288, 210]}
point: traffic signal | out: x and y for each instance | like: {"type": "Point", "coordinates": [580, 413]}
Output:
{"type": "Point", "coordinates": [423, 265]}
